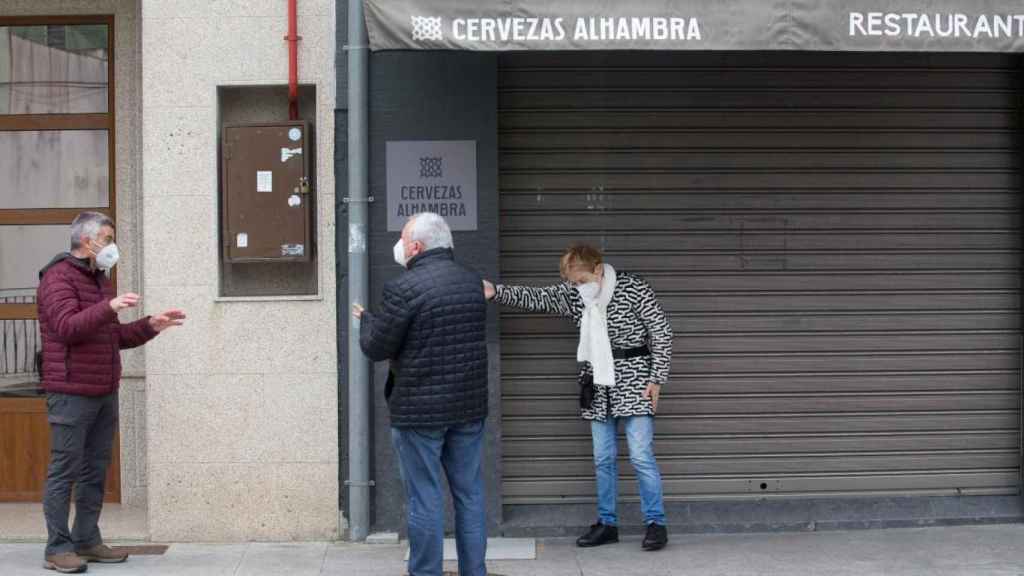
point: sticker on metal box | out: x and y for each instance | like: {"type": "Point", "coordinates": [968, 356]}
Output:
{"type": "Point", "coordinates": [264, 181]}
{"type": "Point", "coordinates": [293, 249]}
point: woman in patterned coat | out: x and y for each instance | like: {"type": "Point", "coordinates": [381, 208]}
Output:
{"type": "Point", "coordinates": [626, 346]}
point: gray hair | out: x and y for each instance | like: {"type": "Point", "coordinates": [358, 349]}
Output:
{"type": "Point", "coordinates": [88, 224]}
{"type": "Point", "coordinates": [431, 230]}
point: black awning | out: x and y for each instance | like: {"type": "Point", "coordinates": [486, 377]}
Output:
{"type": "Point", "coordinates": [823, 25]}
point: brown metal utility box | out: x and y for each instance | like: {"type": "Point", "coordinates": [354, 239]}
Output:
{"type": "Point", "coordinates": [267, 199]}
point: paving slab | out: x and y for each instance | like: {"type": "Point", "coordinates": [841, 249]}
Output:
{"type": "Point", "coordinates": [497, 549]}
{"type": "Point", "coordinates": [994, 550]}
{"type": "Point", "coordinates": [299, 559]}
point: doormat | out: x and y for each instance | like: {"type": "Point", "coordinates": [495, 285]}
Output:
{"type": "Point", "coordinates": [143, 550]}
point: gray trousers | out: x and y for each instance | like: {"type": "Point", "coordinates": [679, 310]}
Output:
{"type": "Point", "coordinates": [81, 439]}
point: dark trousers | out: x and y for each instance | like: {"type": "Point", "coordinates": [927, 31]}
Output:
{"type": "Point", "coordinates": [81, 439]}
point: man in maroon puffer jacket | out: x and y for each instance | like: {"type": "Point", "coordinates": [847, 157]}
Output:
{"type": "Point", "coordinates": [81, 372]}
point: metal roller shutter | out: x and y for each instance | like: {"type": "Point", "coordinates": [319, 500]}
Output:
{"type": "Point", "coordinates": [836, 239]}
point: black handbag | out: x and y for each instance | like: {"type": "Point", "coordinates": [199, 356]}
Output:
{"type": "Point", "coordinates": [586, 382]}
{"type": "Point", "coordinates": [389, 385]}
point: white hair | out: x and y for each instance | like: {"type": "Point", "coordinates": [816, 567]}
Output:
{"type": "Point", "coordinates": [431, 230]}
{"type": "Point", "coordinates": [88, 224]}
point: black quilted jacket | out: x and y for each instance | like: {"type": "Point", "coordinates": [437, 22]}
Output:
{"type": "Point", "coordinates": [431, 326]}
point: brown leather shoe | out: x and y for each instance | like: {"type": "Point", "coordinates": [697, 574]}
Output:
{"type": "Point", "coordinates": [65, 563]}
{"type": "Point", "coordinates": [103, 554]}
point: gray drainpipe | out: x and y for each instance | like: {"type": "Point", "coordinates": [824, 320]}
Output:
{"type": "Point", "coordinates": [359, 397]}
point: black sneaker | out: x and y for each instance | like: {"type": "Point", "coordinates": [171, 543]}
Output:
{"type": "Point", "coordinates": [599, 534]}
{"type": "Point", "coordinates": [656, 538]}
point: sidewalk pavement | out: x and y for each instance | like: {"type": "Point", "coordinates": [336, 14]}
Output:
{"type": "Point", "coordinates": [996, 550]}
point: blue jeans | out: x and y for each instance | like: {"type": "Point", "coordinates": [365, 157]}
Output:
{"type": "Point", "coordinates": [422, 454]}
{"type": "Point", "coordinates": [640, 437]}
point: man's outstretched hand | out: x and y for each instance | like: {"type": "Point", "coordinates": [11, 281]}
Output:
{"type": "Point", "coordinates": [161, 322]}
{"type": "Point", "coordinates": [125, 301]}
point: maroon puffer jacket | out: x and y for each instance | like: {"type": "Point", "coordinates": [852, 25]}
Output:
{"type": "Point", "coordinates": [82, 337]}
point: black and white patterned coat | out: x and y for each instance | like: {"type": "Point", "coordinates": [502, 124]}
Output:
{"type": "Point", "coordinates": [635, 318]}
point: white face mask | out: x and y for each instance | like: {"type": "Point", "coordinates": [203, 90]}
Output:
{"type": "Point", "coordinates": [108, 257]}
{"type": "Point", "coordinates": [399, 252]}
{"type": "Point", "coordinates": [589, 291]}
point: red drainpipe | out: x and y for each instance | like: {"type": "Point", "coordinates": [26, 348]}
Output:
{"type": "Point", "coordinates": [293, 61]}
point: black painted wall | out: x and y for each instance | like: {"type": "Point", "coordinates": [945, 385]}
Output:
{"type": "Point", "coordinates": [419, 96]}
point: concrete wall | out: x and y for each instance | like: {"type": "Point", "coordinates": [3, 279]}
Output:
{"type": "Point", "coordinates": [129, 225]}
{"type": "Point", "coordinates": [433, 96]}
{"type": "Point", "coordinates": [243, 440]}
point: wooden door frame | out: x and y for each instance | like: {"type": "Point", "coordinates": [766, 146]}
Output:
{"type": "Point", "coordinates": [86, 121]}
{"type": "Point", "coordinates": [35, 408]}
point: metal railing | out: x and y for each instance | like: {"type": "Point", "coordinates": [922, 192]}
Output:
{"type": "Point", "coordinates": [19, 343]}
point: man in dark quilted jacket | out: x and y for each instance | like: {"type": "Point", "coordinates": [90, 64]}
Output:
{"type": "Point", "coordinates": [81, 372]}
{"type": "Point", "coordinates": [431, 326]}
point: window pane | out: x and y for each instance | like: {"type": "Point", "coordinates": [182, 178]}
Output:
{"type": "Point", "coordinates": [54, 169]}
{"type": "Point", "coordinates": [24, 250]}
{"type": "Point", "coordinates": [53, 69]}
{"type": "Point", "coordinates": [19, 342]}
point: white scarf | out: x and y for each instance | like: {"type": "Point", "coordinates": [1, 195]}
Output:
{"type": "Point", "coordinates": [595, 347]}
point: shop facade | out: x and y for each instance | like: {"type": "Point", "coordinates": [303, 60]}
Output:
{"type": "Point", "coordinates": [826, 199]}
